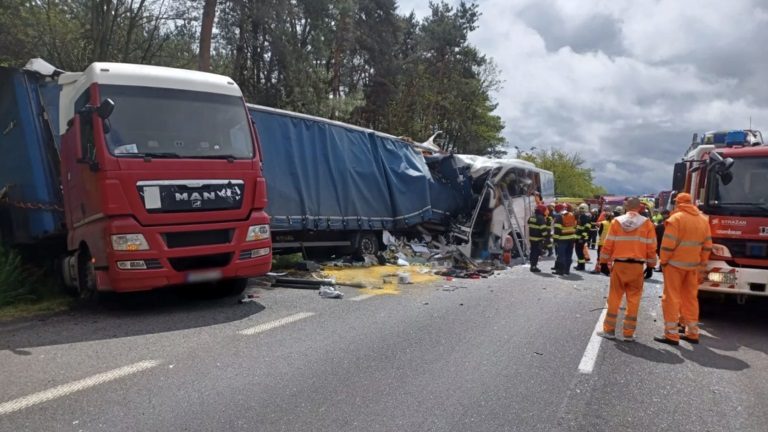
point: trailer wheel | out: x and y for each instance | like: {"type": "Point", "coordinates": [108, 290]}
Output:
{"type": "Point", "coordinates": [86, 287]}
{"type": "Point", "coordinates": [366, 243]}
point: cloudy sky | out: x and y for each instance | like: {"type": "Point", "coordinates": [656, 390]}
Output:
{"type": "Point", "coordinates": [625, 82]}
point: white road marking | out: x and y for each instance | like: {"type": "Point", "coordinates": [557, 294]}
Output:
{"type": "Point", "coordinates": [67, 389]}
{"type": "Point", "coordinates": [276, 323]}
{"type": "Point", "coordinates": [593, 347]}
{"type": "Point", "coordinates": [362, 297]}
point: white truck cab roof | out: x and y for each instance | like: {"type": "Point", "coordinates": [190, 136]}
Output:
{"type": "Point", "coordinates": [73, 84]}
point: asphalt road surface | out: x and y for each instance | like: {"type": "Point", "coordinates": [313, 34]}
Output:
{"type": "Point", "coordinates": [513, 352]}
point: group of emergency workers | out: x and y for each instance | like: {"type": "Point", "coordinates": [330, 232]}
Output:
{"type": "Point", "coordinates": [630, 242]}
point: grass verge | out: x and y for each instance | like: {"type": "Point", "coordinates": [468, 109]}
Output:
{"type": "Point", "coordinates": [58, 303]}
{"type": "Point", "coordinates": [26, 290]}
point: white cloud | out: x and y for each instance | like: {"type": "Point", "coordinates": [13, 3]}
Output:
{"type": "Point", "coordinates": [624, 83]}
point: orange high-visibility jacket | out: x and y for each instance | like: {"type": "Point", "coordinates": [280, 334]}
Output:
{"type": "Point", "coordinates": [687, 240]}
{"type": "Point", "coordinates": [630, 237]}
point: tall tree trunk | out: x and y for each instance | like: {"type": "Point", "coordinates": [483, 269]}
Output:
{"type": "Point", "coordinates": [206, 31]}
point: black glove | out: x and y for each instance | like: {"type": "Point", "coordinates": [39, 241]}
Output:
{"type": "Point", "coordinates": [648, 272]}
{"type": "Point", "coordinates": [605, 270]}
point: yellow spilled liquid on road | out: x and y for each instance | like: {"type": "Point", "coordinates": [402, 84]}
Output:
{"type": "Point", "coordinates": [380, 280]}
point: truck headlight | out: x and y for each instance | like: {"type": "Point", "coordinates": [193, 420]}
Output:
{"type": "Point", "coordinates": [257, 232]}
{"type": "Point", "coordinates": [723, 278]}
{"type": "Point", "coordinates": [129, 242]}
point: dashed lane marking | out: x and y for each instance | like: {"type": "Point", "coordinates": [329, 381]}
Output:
{"type": "Point", "coordinates": [276, 323]}
{"type": "Point", "coordinates": [67, 389]}
{"type": "Point", "coordinates": [593, 347]}
{"type": "Point", "coordinates": [362, 297]}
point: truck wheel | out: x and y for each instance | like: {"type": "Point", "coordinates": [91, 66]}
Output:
{"type": "Point", "coordinates": [366, 244]}
{"type": "Point", "coordinates": [232, 287]}
{"type": "Point", "coordinates": [86, 288]}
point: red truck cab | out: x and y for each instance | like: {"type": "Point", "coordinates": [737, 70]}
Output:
{"type": "Point", "coordinates": [737, 207]}
{"type": "Point", "coordinates": [162, 181]}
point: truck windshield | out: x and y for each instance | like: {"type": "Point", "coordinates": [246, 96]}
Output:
{"type": "Point", "coordinates": [161, 122]}
{"type": "Point", "coordinates": [747, 193]}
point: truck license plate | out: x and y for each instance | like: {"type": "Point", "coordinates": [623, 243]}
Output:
{"type": "Point", "coordinates": [206, 276]}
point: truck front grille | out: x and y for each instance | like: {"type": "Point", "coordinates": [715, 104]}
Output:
{"type": "Point", "coordinates": [197, 238]}
{"type": "Point", "coordinates": [200, 262]}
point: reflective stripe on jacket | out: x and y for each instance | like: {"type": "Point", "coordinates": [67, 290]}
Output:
{"type": "Point", "coordinates": [687, 240]}
{"type": "Point", "coordinates": [565, 226]}
{"type": "Point", "coordinates": [538, 229]}
{"type": "Point", "coordinates": [550, 226]}
{"type": "Point", "coordinates": [583, 225]}
{"type": "Point", "coordinates": [634, 241]}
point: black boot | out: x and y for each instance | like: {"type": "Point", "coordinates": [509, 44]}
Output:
{"type": "Point", "coordinates": [664, 340]}
{"type": "Point", "coordinates": [557, 270]}
{"type": "Point", "coordinates": [535, 269]}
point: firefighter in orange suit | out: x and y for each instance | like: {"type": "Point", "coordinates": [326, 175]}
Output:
{"type": "Point", "coordinates": [685, 250]}
{"type": "Point", "coordinates": [631, 247]}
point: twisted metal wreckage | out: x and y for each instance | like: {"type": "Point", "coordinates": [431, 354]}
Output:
{"type": "Point", "coordinates": [332, 184]}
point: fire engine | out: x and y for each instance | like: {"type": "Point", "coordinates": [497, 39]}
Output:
{"type": "Point", "coordinates": [726, 173]}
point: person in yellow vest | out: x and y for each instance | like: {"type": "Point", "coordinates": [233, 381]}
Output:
{"type": "Point", "coordinates": [565, 237]}
{"type": "Point", "coordinates": [538, 232]}
{"type": "Point", "coordinates": [602, 232]}
{"type": "Point", "coordinates": [583, 225]}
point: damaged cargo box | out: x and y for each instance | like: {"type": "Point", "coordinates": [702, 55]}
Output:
{"type": "Point", "coordinates": [332, 184]}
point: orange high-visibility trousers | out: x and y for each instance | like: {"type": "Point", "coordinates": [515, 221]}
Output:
{"type": "Point", "coordinates": [626, 279]}
{"type": "Point", "coordinates": [680, 299]}
{"type": "Point", "coordinates": [587, 258]}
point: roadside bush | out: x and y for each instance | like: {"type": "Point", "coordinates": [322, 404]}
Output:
{"type": "Point", "coordinates": [286, 262]}
{"type": "Point", "coordinates": [17, 281]}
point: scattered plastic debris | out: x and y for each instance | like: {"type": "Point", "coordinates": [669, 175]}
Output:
{"type": "Point", "coordinates": [249, 298]}
{"type": "Point", "coordinates": [404, 278]}
{"type": "Point", "coordinates": [327, 291]}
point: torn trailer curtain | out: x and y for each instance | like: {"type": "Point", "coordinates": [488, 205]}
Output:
{"type": "Point", "coordinates": [450, 188]}
{"type": "Point", "coordinates": [326, 175]}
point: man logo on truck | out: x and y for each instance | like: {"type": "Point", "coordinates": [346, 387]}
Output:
{"type": "Point", "coordinates": [233, 193]}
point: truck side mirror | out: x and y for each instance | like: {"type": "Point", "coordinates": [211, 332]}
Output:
{"type": "Point", "coordinates": [678, 177]}
{"type": "Point", "coordinates": [726, 177]}
{"type": "Point", "coordinates": [722, 167]}
{"type": "Point", "coordinates": [105, 109]}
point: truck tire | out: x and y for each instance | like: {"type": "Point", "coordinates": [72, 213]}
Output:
{"type": "Point", "coordinates": [366, 243]}
{"type": "Point", "coordinates": [232, 287]}
{"type": "Point", "coordinates": [86, 289]}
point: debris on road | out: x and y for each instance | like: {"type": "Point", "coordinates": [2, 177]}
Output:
{"type": "Point", "coordinates": [309, 266]}
{"type": "Point", "coordinates": [327, 291]}
{"type": "Point", "coordinates": [248, 298]}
